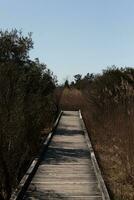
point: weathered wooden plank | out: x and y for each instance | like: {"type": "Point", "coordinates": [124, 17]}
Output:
{"type": "Point", "coordinates": [63, 180]}
{"type": "Point", "coordinates": [66, 171]}
{"type": "Point", "coordinates": [38, 196]}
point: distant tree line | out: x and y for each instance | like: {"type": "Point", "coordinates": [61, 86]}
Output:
{"type": "Point", "coordinates": [26, 106]}
{"type": "Point", "coordinates": [114, 85]}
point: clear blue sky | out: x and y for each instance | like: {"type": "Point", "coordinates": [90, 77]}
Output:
{"type": "Point", "coordinates": [75, 36]}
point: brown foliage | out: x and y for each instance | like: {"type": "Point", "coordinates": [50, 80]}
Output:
{"type": "Point", "coordinates": [109, 114]}
{"type": "Point", "coordinates": [26, 106]}
{"type": "Point", "coordinates": [107, 104]}
{"type": "Point", "coordinates": [71, 99]}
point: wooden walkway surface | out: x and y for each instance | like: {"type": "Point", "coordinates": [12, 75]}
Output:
{"type": "Point", "coordinates": [66, 171]}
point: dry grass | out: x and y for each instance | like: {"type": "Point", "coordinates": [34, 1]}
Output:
{"type": "Point", "coordinates": [112, 135]}
{"type": "Point", "coordinates": [109, 115]}
{"type": "Point", "coordinates": [71, 99]}
{"type": "Point", "coordinates": [113, 139]}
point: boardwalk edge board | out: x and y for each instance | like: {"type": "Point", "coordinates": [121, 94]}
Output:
{"type": "Point", "coordinates": [25, 181]}
{"type": "Point", "coordinates": [103, 188]}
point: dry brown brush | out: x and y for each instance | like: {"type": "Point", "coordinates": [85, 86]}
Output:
{"type": "Point", "coordinates": [109, 115]}
{"type": "Point", "coordinates": [26, 107]}
{"type": "Point", "coordinates": [107, 104]}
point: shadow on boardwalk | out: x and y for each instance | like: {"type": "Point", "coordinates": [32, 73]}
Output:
{"type": "Point", "coordinates": [48, 194]}
{"type": "Point", "coordinates": [59, 151]}
{"type": "Point", "coordinates": [66, 132]}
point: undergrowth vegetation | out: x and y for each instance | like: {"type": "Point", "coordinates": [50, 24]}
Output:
{"type": "Point", "coordinates": [107, 104]}
{"type": "Point", "coordinates": [27, 106]}
{"type": "Point", "coordinates": [29, 103]}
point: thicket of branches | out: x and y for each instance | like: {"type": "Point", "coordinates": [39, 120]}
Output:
{"type": "Point", "coordinates": [26, 106]}
{"type": "Point", "coordinates": [109, 113]}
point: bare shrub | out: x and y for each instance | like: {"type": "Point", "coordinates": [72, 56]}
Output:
{"type": "Point", "coordinates": [109, 114]}
{"type": "Point", "coordinates": [71, 99]}
{"type": "Point", "coordinates": [26, 106]}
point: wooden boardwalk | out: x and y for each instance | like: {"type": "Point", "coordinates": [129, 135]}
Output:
{"type": "Point", "coordinates": [66, 171]}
